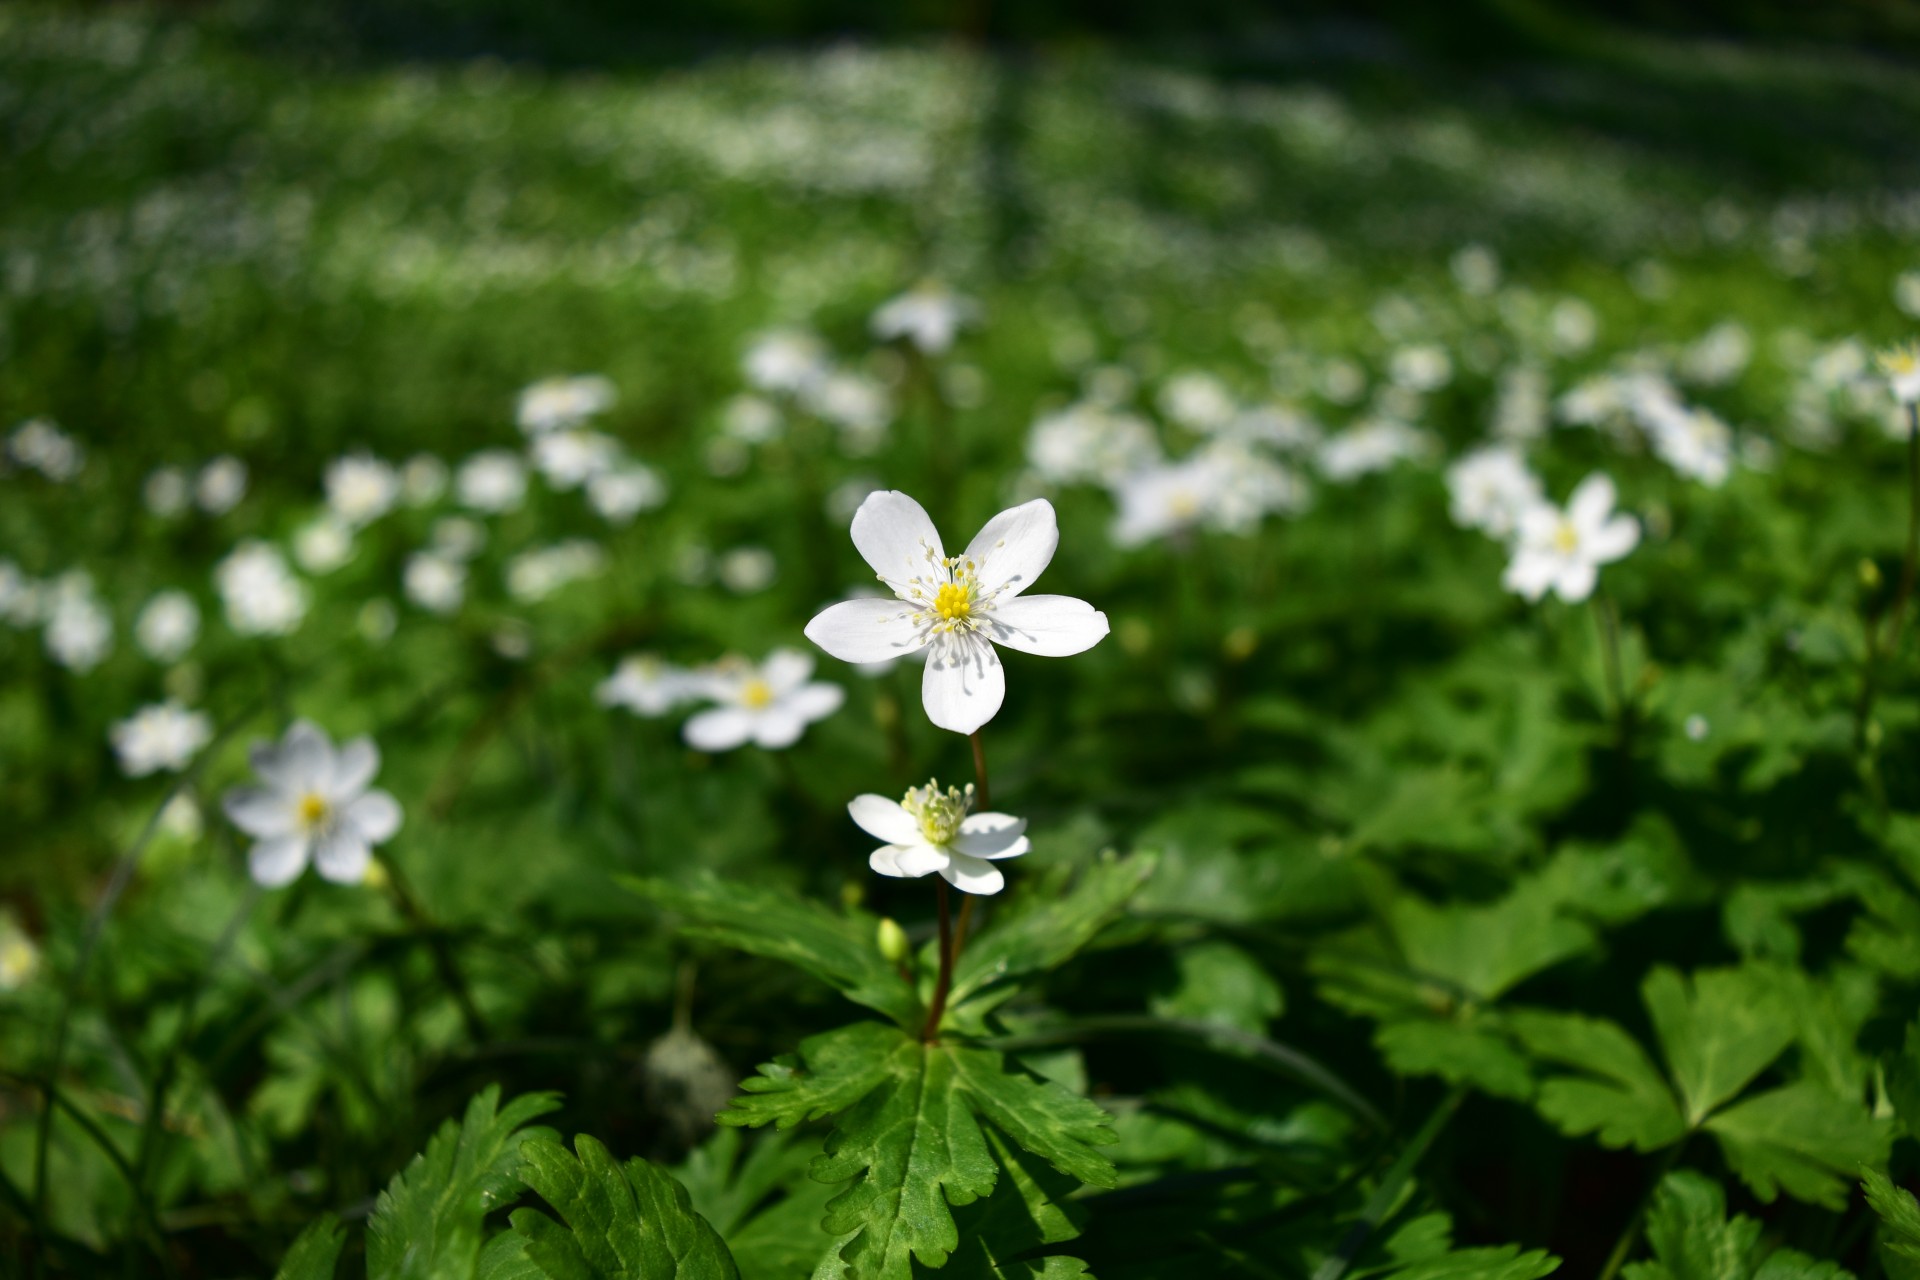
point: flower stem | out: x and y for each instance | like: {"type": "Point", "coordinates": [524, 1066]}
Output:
{"type": "Point", "coordinates": [1609, 627]}
{"type": "Point", "coordinates": [443, 961]}
{"type": "Point", "coordinates": [983, 798]}
{"type": "Point", "coordinates": [931, 1032]}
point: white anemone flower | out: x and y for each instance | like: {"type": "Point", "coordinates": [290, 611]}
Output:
{"type": "Point", "coordinates": [361, 488]}
{"type": "Point", "coordinates": [1490, 488]}
{"type": "Point", "coordinates": [168, 626]}
{"type": "Point", "coordinates": [556, 403]}
{"type": "Point", "coordinates": [769, 705]}
{"type": "Point", "coordinates": [933, 830]}
{"type": "Point", "coordinates": [957, 608]}
{"type": "Point", "coordinates": [647, 686]}
{"type": "Point", "coordinates": [570, 457]}
{"type": "Point", "coordinates": [1902, 367]}
{"type": "Point", "coordinates": [313, 804]}
{"type": "Point", "coordinates": [492, 481]}
{"type": "Point", "coordinates": [1563, 551]}
{"type": "Point", "coordinates": [929, 316]}
{"type": "Point", "coordinates": [164, 735]}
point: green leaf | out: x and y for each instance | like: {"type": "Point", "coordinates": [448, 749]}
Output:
{"type": "Point", "coordinates": [1458, 1053]}
{"type": "Point", "coordinates": [1027, 1213]}
{"type": "Point", "coordinates": [1800, 1139]}
{"type": "Point", "coordinates": [1899, 1214]}
{"type": "Point", "coordinates": [841, 950]}
{"type": "Point", "coordinates": [1504, 1262]}
{"type": "Point", "coordinates": [631, 1222]}
{"type": "Point", "coordinates": [756, 1193]}
{"type": "Point", "coordinates": [1691, 1239]}
{"type": "Point", "coordinates": [426, 1224]}
{"type": "Point", "coordinates": [1047, 934]}
{"type": "Point", "coordinates": [1903, 1081]}
{"type": "Point", "coordinates": [1618, 1094]}
{"type": "Point", "coordinates": [1218, 982]}
{"type": "Point", "coordinates": [1719, 1031]}
{"type": "Point", "coordinates": [908, 1139]}
{"type": "Point", "coordinates": [1486, 951]}
{"type": "Point", "coordinates": [315, 1253]}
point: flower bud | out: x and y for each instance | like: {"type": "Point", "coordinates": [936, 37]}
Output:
{"type": "Point", "coordinates": [1869, 575]}
{"type": "Point", "coordinates": [893, 941]}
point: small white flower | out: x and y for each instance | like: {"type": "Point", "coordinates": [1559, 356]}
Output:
{"type": "Point", "coordinates": [571, 456]}
{"type": "Point", "coordinates": [858, 405]}
{"type": "Point", "coordinates": [785, 361]}
{"type": "Point", "coordinates": [1086, 443]}
{"type": "Point", "coordinates": [751, 420]}
{"type": "Point", "coordinates": [745, 570]}
{"type": "Point", "coordinates": [167, 492]}
{"type": "Point", "coordinates": [458, 537]}
{"type": "Point", "coordinates": [554, 404]}
{"type": "Point", "coordinates": [1368, 447]}
{"type": "Point", "coordinates": [167, 628]}
{"type": "Point", "coordinates": [1902, 367]}
{"type": "Point", "coordinates": [222, 483]}
{"type": "Point", "coordinates": [361, 488]}
{"type": "Point", "coordinates": [43, 447]}
{"type": "Point", "coordinates": [930, 317]}
{"type": "Point", "coordinates": [20, 596]}
{"type": "Point", "coordinates": [534, 575]}
{"type": "Point", "coordinates": [1574, 326]}
{"type": "Point", "coordinates": [324, 543]}
{"type": "Point", "coordinates": [261, 595]}
{"type": "Point", "coordinates": [1422, 368]}
{"type": "Point", "coordinates": [957, 608]}
{"type": "Point", "coordinates": [624, 492]}
{"type": "Point", "coordinates": [769, 705]}
{"type": "Point", "coordinates": [1720, 355]}
{"type": "Point", "coordinates": [435, 582]}
{"type": "Point", "coordinates": [1698, 445]}
{"type": "Point", "coordinates": [646, 686]}
{"type": "Point", "coordinates": [312, 803]}
{"type": "Point", "coordinates": [1476, 269]}
{"type": "Point", "coordinates": [79, 633]}
{"type": "Point", "coordinates": [1198, 401]}
{"type": "Point", "coordinates": [1563, 551]}
{"type": "Point", "coordinates": [422, 480]}
{"type": "Point", "coordinates": [492, 481]}
{"type": "Point", "coordinates": [1696, 727]}
{"type": "Point", "coordinates": [19, 958]}
{"type": "Point", "coordinates": [1489, 488]}
{"type": "Point", "coordinates": [164, 735]}
{"type": "Point", "coordinates": [934, 830]}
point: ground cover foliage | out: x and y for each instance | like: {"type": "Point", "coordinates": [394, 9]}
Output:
{"type": "Point", "coordinates": [1486, 845]}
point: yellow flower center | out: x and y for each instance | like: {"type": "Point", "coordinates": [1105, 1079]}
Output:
{"type": "Point", "coordinates": [938, 812]}
{"type": "Point", "coordinates": [1183, 505]}
{"type": "Point", "coordinates": [954, 600]}
{"type": "Point", "coordinates": [313, 810]}
{"type": "Point", "coordinates": [756, 694]}
{"type": "Point", "coordinates": [1566, 539]}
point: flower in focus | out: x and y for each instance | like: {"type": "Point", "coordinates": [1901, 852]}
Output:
{"type": "Point", "coordinates": [647, 686]}
{"type": "Point", "coordinates": [553, 404]}
{"type": "Point", "coordinates": [769, 705]}
{"type": "Point", "coordinates": [1563, 551]}
{"type": "Point", "coordinates": [934, 830]}
{"type": "Point", "coordinates": [361, 488]}
{"type": "Point", "coordinates": [261, 595]}
{"type": "Point", "coordinates": [312, 803]}
{"type": "Point", "coordinates": [1489, 488]}
{"type": "Point", "coordinates": [1902, 366]}
{"type": "Point", "coordinates": [164, 735]}
{"type": "Point", "coordinates": [929, 316]}
{"type": "Point", "coordinates": [492, 481]}
{"type": "Point", "coordinates": [956, 607]}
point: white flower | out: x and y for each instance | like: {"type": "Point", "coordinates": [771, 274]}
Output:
{"type": "Point", "coordinates": [40, 445]}
{"type": "Point", "coordinates": [1720, 355]}
{"type": "Point", "coordinates": [556, 403]}
{"type": "Point", "coordinates": [1574, 326]}
{"type": "Point", "coordinates": [423, 480]}
{"type": "Point", "coordinates": [1697, 445]}
{"type": "Point", "coordinates": [492, 481]}
{"type": "Point", "coordinates": [1198, 401]}
{"type": "Point", "coordinates": [1902, 367]}
{"type": "Point", "coordinates": [1521, 409]}
{"type": "Point", "coordinates": [646, 686]}
{"type": "Point", "coordinates": [168, 626]}
{"type": "Point", "coordinates": [769, 705]}
{"type": "Point", "coordinates": [435, 582]}
{"type": "Point", "coordinates": [79, 633]}
{"type": "Point", "coordinates": [361, 488]}
{"type": "Point", "coordinates": [166, 492]}
{"type": "Point", "coordinates": [957, 608]}
{"type": "Point", "coordinates": [785, 361]}
{"type": "Point", "coordinates": [1422, 368]}
{"type": "Point", "coordinates": [1563, 551]}
{"type": "Point", "coordinates": [1476, 269]}
{"type": "Point", "coordinates": [931, 830]}
{"type": "Point", "coordinates": [324, 543]}
{"type": "Point", "coordinates": [1088, 443]}
{"type": "Point", "coordinates": [624, 492]}
{"type": "Point", "coordinates": [1368, 447]}
{"type": "Point", "coordinates": [570, 457]}
{"type": "Point", "coordinates": [313, 802]}
{"type": "Point", "coordinates": [20, 596]}
{"type": "Point", "coordinates": [534, 575]}
{"type": "Point", "coordinates": [745, 570]}
{"type": "Point", "coordinates": [929, 317]}
{"type": "Point", "coordinates": [261, 595]}
{"type": "Point", "coordinates": [750, 420]}
{"type": "Point", "coordinates": [164, 735]}
{"type": "Point", "coordinates": [458, 537]}
{"type": "Point", "coordinates": [222, 483]}
{"type": "Point", "coordinates": [858, 405]}
{"type": "Point", "coordinates": [1489, 488]}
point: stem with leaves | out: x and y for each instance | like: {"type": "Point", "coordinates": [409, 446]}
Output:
{"type": "Point", "coordinates": [952, 937]}
{"type": "Point", "coordinates": [1630, 1234]}
{"type": "Point", "coordinates": [1387, 1194]}
{"type": "Point", "coordinates": [443, 961]}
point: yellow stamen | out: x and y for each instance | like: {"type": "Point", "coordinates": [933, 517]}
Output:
{"type": "Point", "coordinates": [953, 601]}
{"type": "Point", "coordinates": [313, 809]}
{"type": "Point", "coordinates": [756, 694]}
{"type": "Point", "coordinates": [1566, 539]}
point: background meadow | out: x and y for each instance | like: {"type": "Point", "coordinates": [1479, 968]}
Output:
{"type": "Point", "coordinates": [495, 386]}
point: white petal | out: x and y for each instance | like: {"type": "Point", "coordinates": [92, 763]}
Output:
{"type": "Point", "coordinates": [342, 857]}
{"type": "Point", "coordinates": [277, 861]}
{"type": "Point", "coordinates": [306, 756]}
{"type": "Point", "coordinates": [777, 728]}
{"type": "Point", "coordinates": [1575, 582]}
{"type": "Point", "coordinates": [883, 819]}
{"type": "Point", "coordinates": [260, 811]}
{"type": "Point", "coordinates": [1591, 503]}
{"type": "Point", "coordinates": [963, 684]}
{"type": "Point", "coordinates": [906, 861]}
{"type": "Point", "coordinates": [866, 630]}
{"type": "Point", "coordinates": [1530, 573]}
{"type": "Point", "coordinates": [1051, 626]}
{"type": "Point", "coordinates": [786, 670]}
{"type": "Point", "coordinates": [1538, 524]}
{"type": "Point", "coordinates": [1614, 539]}
{"type": "Point", "coordinates": [718, 729]}
{"type": "Point", "coordinates": [896, 537]}
{"type": "Point", "coordinates": [375, 816]}
{"type": "Point", "coordinates": [971, 875]}
{"type": "Point", "coordinates": [992, 835]}
{"type": "Point", "coordinates": [353, 767]}
{"type": "Point", "coordinates": [1014, 547]}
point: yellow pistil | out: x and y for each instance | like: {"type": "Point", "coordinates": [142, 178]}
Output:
{"type": "Point", "coordinates": [938, 812]}
{"type": "Point", "coordinates": [313, 810]}
{"type": "Point", "coordinates": [1899, 362]}
{"type": "Point", "coordinates": [953, 602]}
{"type": "Point", "coordinates": [1566, 539]}
{"type": "Point", "coordinates": [756, 694]}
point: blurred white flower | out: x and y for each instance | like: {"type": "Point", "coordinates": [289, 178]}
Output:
{"type": "Point", "coordinates": [168, 626]}
{"type": "Point", "coordinates": [785, 361]}
{"type": "Point", "coordinates": [1563, 551]}
{"type": "Point", "coordinates": [164, 735]}
{"type": "Point", "coordinates": [646, 686]}
{"type": "Point", "coordinates": [361, 488]}
{"type": "Point", "coordinates": [167, 492]}
{"type": "Point", "coordinates": [313, 802]}
{"type": "Point", "coordinates": [751, 420]}
{"type": "Point", "coordinates": [570, 456]}
{"type": "Point", "coordinates": [1167, 498]}
{"type": "Point", "coordinates": [1906, 292]}
{"type": "Point", "coordinates": [79, 633]}
{"type": "Point", "coordinates": [40, 446]}
{"type": "Point", "coordinates": [181, 818]}
{"type": "Point", "coordinates": [222, 483]}
{"type": "Point", "coordinates": [534, 575]}
{"type": "Point", "coordinates": [492, 481]}
{"type": "Point", "coordinates": [1521, 407]}
{"type": "Point", "coordinates": [769, 704]}
{"type": "Point", "coordinates": [956, 607]}
{"type": "Point", "coordinates": [458, 537]}
{"type": "Point", "coordinates": [259, 591]}
{"type": "Point", "coordinates": [1421, 368]}
{"type": "Point", "coordinates": [1476, 269]}
{"type": "Point", "coordinates": [1276, 426]}
{"type": "Point", "coordinates": [929, 316]}
{"type": "Point", "coordinates": [1573, 326]}
{"type": "Point", "coordinates": [423, 480]}
{"type": "Point", "coordinates": [1197, 401]}
{"type": "Point", "coordinates": [856, 404]}
{"type": "Point", "coordinates": [553, 404]}
{"type": "Point", "coordinates": [19, 957]}
{"type": "Point", "coordinates": [1696, 444]}
{"type": "Point", "coordinates": [1901, 365]}
{"type": "Point", "coordinates": [1370, 446]}
{"type": "Point", "coordinates": [1490, 488]}
{"type": "Point", "coordinates": [435, 582]}
{"type": "Point", "coordinates": [1086, 443]}
{"type": "Point", "coordinates": [933, 830]}
{"type": "Point", "coordinates": [324, 543]}
{"type": "Point", "coordinates": [625, 491]}
{"type": "Point", "coordinates": [1720, 356]}
{"type": "Point", "coordinates": [20, 597]}
{"type": "Point", "coordinates": [745, 570]}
